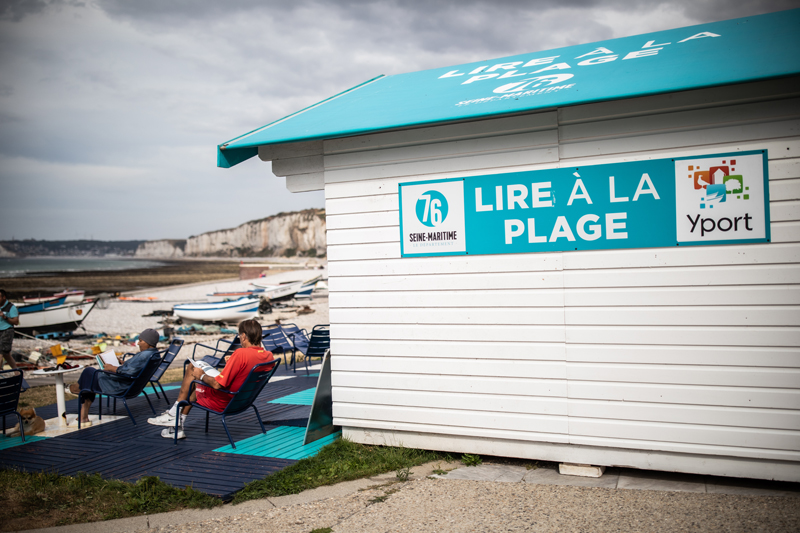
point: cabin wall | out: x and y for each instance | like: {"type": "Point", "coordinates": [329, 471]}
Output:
{"type": "Point", "coordinates": [683, 359]}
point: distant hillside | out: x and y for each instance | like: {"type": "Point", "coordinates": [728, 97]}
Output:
{"type": "Point", "coordinates": [32, 247]}
{"type": "Point", "coordinates": [301, 233]}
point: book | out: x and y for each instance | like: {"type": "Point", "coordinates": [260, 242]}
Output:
{"type": "Point", "coordinates": [205, 367]}
{"type": "Point", "coordinates": [109, 357]}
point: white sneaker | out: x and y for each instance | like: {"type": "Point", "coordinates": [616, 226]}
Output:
{"type": "Point", "coordinates": [169, 433]}
{"type": "Point", "coordinates": [164, 419]}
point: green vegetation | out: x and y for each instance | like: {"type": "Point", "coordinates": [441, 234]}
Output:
{"type": "Point", "coordinates": [471, 460]}
{"type": "Point", "coordinates": [339, 461]}
{"type": "Point", "coordinates": [35, 500]}
{"type": "Point", "coordinates": [322, 530]}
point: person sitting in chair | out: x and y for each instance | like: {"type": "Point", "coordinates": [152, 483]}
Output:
{"type": "Point", "coordinates": [231, 377]}
{"type": "Point", "coordinates": [148, 339]}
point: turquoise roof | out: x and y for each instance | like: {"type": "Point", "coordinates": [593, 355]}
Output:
{"type": "Point", "coordinates": [706, 55]}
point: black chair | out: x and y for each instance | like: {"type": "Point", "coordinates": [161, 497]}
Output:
{"type": "Point", "coordinates": [318, 343]}
{"type": "Point", "coordinates": [172, 352]}
{"type": "Point", "coordinates": [136, 387]}
{"type": "Point", "coordinates": [240, 400]}
{"type": "Point", "coordinates": [10, 388]}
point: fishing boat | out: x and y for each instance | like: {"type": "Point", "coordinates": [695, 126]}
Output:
{"type": "Point", "coordinates": [233, 295]}
{"type": "Point", "coordinates": [52, 315]}
{"type": "Point", "coordinates": [72, 295]}
{"type": "Point", "coordinates": [283, 291]}
{"type": "Point", "coordinates": [232, 311]}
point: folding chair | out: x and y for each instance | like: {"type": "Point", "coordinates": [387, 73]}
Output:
{"type": "Point", "coordinates": [172, 352]}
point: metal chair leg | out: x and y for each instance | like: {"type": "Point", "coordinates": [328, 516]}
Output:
{"type": "Point", "coordinates": [228, 432]}
{"type": "Point", "coordinates": [129, 411]}
{"type": "Point", "coordinates": [148, 401]}
{"type": "Point", "coordinates": [162, 392]}
{"type": "Point", "coordinates": [263, 430]}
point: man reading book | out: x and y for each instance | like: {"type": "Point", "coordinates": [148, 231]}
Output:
{"type": "Point", "coordinates": [119, 381]}
{"type": "Point", "coordinates": [231, 377]}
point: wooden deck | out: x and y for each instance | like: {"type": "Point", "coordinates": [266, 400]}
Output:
{"type": "Point", "coordinates": [122, 450]}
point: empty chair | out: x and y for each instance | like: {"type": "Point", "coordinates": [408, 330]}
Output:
{"type": "Point", "coordinates": [299, 339]}
{"type": "Point", "coordinates": [318, 343]}
{"type": "Point", "coordinates": [274, 340]}
{"type": "Point", "coordinates": [172, 352]}
{"type": "Point", "coordinates": [240, 400]}
{"type": "Point", "coordinates": [222, 349]}
{"type": "Point", "coordinates": [10, 388]}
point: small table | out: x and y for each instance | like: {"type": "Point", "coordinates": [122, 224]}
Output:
{"type": "Point", "coordinates": [60, 400]}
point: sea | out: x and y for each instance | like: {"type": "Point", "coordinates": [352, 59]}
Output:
{"type": "Point", "coordinates": [12, 267]}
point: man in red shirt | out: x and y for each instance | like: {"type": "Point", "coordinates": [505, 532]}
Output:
{"type": "Point", "coordinates": [231, 378]}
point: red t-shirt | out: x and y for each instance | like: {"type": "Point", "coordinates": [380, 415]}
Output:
{"type": "Point", "coordinates": [232, 377]}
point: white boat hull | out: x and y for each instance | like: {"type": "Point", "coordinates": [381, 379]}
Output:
{"type": "Point", "coordinates": [235, 311]}
{"type": "Point", "coordinates": [64, 317]}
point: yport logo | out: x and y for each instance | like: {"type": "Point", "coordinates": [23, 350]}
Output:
{"type": "Point", "coordinates": [721, 198]}
{"type": "Point", "coordinates": [718, 180]}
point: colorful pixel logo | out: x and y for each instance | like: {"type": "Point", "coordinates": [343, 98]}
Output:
{"type": "Point", "coordinates": [719, 182]}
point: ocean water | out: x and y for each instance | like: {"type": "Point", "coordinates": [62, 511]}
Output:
{"type": "Point", "coordinates": [11, 267]}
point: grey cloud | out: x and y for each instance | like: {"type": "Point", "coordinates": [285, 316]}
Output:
{"type": "Point", "coordinates": [16, 10]}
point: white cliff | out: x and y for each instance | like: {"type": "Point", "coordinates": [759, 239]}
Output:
{"type": "Point", "coordinates": [284, 234]}
{"type": "Point", "coordinates": [163, 249]}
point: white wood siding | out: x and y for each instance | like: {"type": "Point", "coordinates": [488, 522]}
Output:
{"type": "Point", "coordinates": [694, 351]}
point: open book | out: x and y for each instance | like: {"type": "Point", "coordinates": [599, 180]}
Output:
{"type": "Point", "coordinates": [205, 367]}
{"type": "Point", "coordinates": [109, 357]}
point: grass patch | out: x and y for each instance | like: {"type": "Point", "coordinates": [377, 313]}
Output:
{"type": "Point", "coordinates": [341, 460]}
{"type": "Point", "coordinates": [41, 396]}
{"type": "Point", "coordinates": [36, 500]}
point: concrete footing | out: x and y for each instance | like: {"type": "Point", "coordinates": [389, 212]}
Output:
{"type": "Point", "coordinates": [571, 469]}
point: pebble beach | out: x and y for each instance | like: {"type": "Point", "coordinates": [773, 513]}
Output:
{"type": "Point", "coordinates": [126, 318]}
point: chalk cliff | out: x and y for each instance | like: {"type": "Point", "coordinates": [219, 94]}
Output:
{"type": "Point", "coordinates": [163, 249]}
{"type": "Point", "coordinates": [284, 234]}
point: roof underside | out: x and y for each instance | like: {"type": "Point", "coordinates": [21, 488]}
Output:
{"type": "Point", "coordinates": [720, 53]}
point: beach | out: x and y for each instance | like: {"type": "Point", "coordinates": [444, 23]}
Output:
{"type": "Point", "coordinates": [127, 318]}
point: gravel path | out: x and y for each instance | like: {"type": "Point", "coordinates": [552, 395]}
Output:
{"type": "Point", "coordinates": [435, 505]}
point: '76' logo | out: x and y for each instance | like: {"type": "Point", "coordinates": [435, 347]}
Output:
{"type": "Point", "coordinates": [431, 208]}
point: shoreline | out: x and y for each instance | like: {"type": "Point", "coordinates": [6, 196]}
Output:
{"type": "Point", "coordinates": [170, 272]}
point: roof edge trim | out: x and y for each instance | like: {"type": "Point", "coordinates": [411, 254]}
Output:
{"type": "Point", "coordinates": [229, 156]}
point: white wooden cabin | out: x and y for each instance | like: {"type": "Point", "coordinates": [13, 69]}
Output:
{"type": "Point", "coordinates": [674, 358]}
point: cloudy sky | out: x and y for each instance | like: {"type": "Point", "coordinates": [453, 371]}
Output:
{"type": "Point", "coordinates": [110, 111]}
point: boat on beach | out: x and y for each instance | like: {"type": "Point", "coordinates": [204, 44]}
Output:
{"type": "Point", "coordinates": [284, 291]}
{"type": "Point", "coordinates": [72, 296]}
{"type": "Point", "coordinates": [234, 295]}
{"type": "Point", "coordinates": [231, 311]}
{"type": "Point", "coordinates": [52, 315]}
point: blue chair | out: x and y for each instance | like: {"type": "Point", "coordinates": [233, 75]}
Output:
{"type": "Point", "coordinates": [240, 400]}
{"type": "Point", "coordinates": [218, 361]}
{"type": "Point", "coordinates": [274, 340]}
{"type": "Point", "coordinates": [299, 339]}
{"type": "Point", "coordinates": [172, 352]}
{"type": "Point", "coordinates": [136, 387]}
{"type": "Point", "coordinates": [318, 343]}
{"type": "Point", "coordinates": [10, 388]}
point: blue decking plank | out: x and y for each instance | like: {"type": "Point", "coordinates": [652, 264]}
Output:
{"type": "Point", "coordinates": [10, 442]}
{"type": "Point", "coordinates": [305, 397]}
{"type": "Point", "coordinates": [285, 442]}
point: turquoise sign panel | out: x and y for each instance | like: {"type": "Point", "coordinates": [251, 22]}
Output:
{"type": "Point", "coordinates": [709, 199]}
{"type": "Point", "coordinates": [707, 55]}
